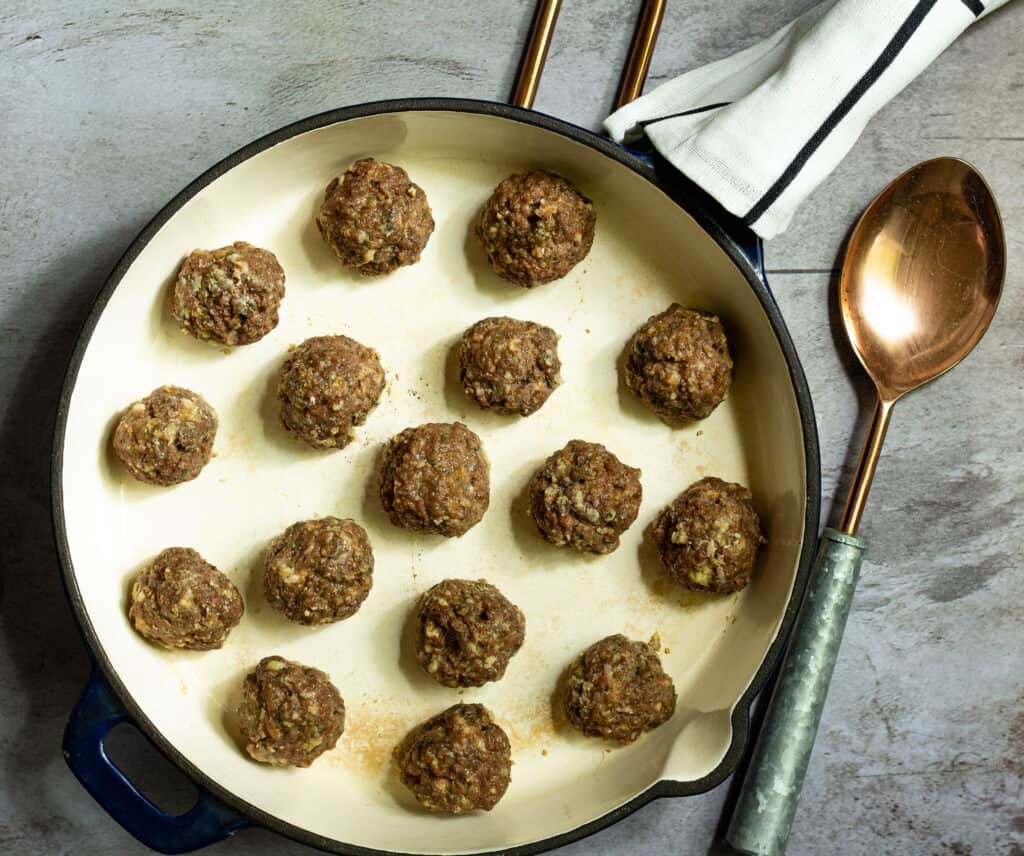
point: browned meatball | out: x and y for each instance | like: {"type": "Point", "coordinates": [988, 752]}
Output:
{"type": "Point", "coordinates": [708, 537]}
{"type": "Point", "coordinates": [584, 497]}
{"type": "Point", "coordinates": [182, 601]}
{"type": "Point", "coordinates": [231, 295]}
{"type": "Point", "coordinates": [618, 690]}
{"type": "Point", "coordinates": [290, 714]}
{"type": "Point", "coordinates": [466, 632]}
{"type": "Point", "coordinates": [329, 385]}
{"type": "Point", "coordinates": [319, 571]}
{"type": "Point", "coordinates": [167, 438]}
{"type": "Point", "coordinates": [509, 366]}
{"type": "Point", "coordinates": [457, 761]}
{"type": "Point", "coordinates": [536, 227]}
{"type": "Point", "coordinates": [436, 478]}
{"type": "Point", "coordinates": [679, 363]}
{"type": "Point", "coordinates": [374, 218]}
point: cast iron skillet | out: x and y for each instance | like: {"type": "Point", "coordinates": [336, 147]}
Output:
{"type": "Point", "coordinates": [106, 700]}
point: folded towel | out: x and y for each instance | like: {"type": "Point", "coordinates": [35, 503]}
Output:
{"type": "Point", "coordinates": [761, 129]}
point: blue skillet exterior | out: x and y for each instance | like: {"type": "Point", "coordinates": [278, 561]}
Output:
{"type": "Point", "coordinates": [106, 702]}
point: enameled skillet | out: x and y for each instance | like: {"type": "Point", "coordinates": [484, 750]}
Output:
{"type": "Point", "coordinates": [659, 239]}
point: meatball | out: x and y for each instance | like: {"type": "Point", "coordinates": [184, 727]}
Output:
{"type": "Point", "coordinates": [708, 537]}
{"type": "Point", "coordinates": [182, 601]}
{"type": "Point", "coordinates": [290, 714]}
{"type": "Point", "coordinates": [617, 690]}
{"type": "Point", "coordinates": [167, 438]}
{"type": "Point", "coordinates": [679, 363]}
{"type": "Point", "coordinates": [509, 366]}
{"type": "Point", "coordinates": [584, 497]}
{"type": "Point", "coordinates": [374, 218]}
{"type": "Point", "coordinates": [319, 571]}
{"type": "Point", "coordinates": [457, 761]}
{"type": "Point", "coordinates": [536, 227]}
{"type": "Point", "coordinates": [436, 478]}
{"type": "Point", "coordinates": [231, 295]}
{"type": "Point", "coordinates": [466, 632]}
{"type": "Point", "coordinates": [329, 384]}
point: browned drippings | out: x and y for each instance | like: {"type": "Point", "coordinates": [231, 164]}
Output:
{"type": "Point", "coordinates": [372, 732]}
{"type": "Point", "coordinates": [237, 444]}
{"type": "Point", "coordinates": [661, 588]}
{"type": "Point", "coordinates": [690, 599]}
{"type": "Point", "coordinates": [369, 740]}
{"type": "Point", "coordinates": [529, 727]}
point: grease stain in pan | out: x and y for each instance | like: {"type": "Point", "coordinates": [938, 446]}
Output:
{"type": "Point", "coordinates": [371, 734]}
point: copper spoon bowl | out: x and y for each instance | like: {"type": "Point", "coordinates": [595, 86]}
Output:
{"type": "Point", "coordinates": [920, 283]}
{"type": "Point", "coordinates": [923, 274]}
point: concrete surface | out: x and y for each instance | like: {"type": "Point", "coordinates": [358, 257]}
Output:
{"type": "Point", "coordinates": [107, 112]}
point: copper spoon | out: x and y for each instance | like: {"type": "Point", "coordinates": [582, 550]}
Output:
{"type": "Point", "coordinates": [920, 283]}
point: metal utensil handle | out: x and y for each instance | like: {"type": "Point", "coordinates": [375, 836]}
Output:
{"type": "Point", "coordinates": [535, 53]}
{"type": "Point", "coordinates": [96, 713]}
{"type": "Point", "coordinates": [767, 803]}
{"type": "Point", "coordinates": [640, 51]}
{"type": "Point", "coordinates": [866, 466]}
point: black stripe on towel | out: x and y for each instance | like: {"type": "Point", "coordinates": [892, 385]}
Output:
{"type": "Point", "coordinates": [878, 67]}
{"type": "Point", "coordinates": [703, 109]}
{"type": "Point", "coordinates": [976, 6]}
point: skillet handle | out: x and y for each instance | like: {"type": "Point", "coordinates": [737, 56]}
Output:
{"type": "Point", "coordinates": [96, 713]}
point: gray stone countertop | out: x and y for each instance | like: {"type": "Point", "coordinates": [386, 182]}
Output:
{"type": "Point", "coordinates": [109, 111]}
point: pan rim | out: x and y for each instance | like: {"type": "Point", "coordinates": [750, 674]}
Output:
{"type": "Point", "coordinates": [675, 186]}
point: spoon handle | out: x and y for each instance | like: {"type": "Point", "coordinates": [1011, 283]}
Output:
{"type": "Point", "coordinates": [768, 799]}
{"type": "Point", "coordinates": [866, 466]}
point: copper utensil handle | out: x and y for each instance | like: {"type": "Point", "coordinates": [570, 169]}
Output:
{"type": "Point", "coordinates": [866, 467]}
{"type": "Point", "coordinates": [640, 51]}
{"type": "Point", "coordinates": [536, 53]}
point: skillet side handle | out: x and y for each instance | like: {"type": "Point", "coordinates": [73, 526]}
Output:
{"type": "Point", "coordinates": [96, 713]}
{"type": "Point", "coordinates": [768, 799]}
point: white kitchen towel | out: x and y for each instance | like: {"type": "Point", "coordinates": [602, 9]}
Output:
{"type": "Point", "coordinates": [761, 129]}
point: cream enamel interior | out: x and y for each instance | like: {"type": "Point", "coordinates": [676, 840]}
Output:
{"type": "Point", "coordinates": [648, 252]}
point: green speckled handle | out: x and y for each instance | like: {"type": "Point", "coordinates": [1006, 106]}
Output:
{"type": "Point", "coordinates": [767, 802]}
